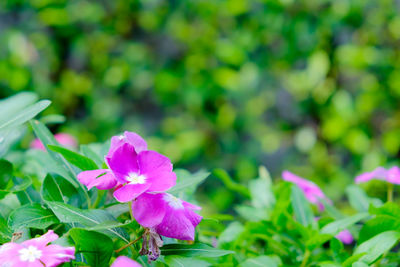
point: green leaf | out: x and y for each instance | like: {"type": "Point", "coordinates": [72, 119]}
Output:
{"type": "Point", "coordinates": [6, 170]}
{"type": "Point", "coordinates": [359, 200]}
{"type": "Point", "coordinates": [260, 261]}
{"type": "Point", "coordinates": [89, 218]}
{"type": "Point", "coordinates": [186, 180]}
{"type": "Point", "coordinates": [47, 138]}
{"type": "Point", "coordinates": [31, 215]}
{"type": "Point", "coordinates": [377, 225]}
{"type": "Point", "coordinates": [15, 103]}
{"type": "Point", "coordinates": [231, 232]}
{"type": "Point", "coordinates": [175, 260]}
{"type": "Point", "coordinates": [24, 115]}
{"type": "Point", "coordinates": [194, 250]}
{"type": "Point", "coordinates": [80, 161]}
{"type": "Point", "coordinates": [335, 227]}
{"type": "Point", "coordinates": [359, 264]}
{"type": "Point", "coordinates": [56, 188]}
{"type": "Point", "coordinates": [97, 248]}
{"type": "Point", "coordinates": [377, 246]}
{"type": "Point", "coordinates": [329, 264]}
{"type": "Point", "coordinates": [301, 207]}
{"type": "Point", "coordinates": [261, 190]}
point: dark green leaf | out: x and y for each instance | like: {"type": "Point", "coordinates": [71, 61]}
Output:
{"type": "Point", "coordinates": [80, 161]}
{"type": "Point", "coordinates": [97, 248]}
{"type": "Point", "coordinates": [31, 215]}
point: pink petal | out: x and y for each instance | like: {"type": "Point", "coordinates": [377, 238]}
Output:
{"type": "Point", "coordinates": [149, 209]}
{"type": "Point", "coordinates": [123, 162]}
{"type": "Point", "coordinates": [8, 252]}
{"type": "Point", "coordinates": [152, 160]}
{"type": "Point", "coordinates": [123, 261]}
{"type": "Point", "coordinates": [53, 255]}
{"type": "Point", "coordinates": [130, 191]}
{"type": "Point", "coordinates": [176, 225]}
{"type": "Point", "coordinates": [102, 179]}
{"type": "Point", "coordinates": [136, 140]}
{"type": "Point", "coordinates": [158, 170]}
{"type": "Point", "coordinates": [37, 144]}
{"type": "Point", "coordinates": [393, 175]}
{"type": "Point", "coordinates": [129, 137]}
{"type": "Point", "coordinates": [41, 241]}
{"type": "Point", "coordinates": [345, 236]}
{"type": "Point", "coordinates": [66, 140]}
{"type": "Point", "coordinates": [379, 173]}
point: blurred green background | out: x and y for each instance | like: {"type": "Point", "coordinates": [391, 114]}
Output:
{"type": "Point", "coordinates": [312, 86]}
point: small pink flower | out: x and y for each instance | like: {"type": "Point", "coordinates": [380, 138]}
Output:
{"type": "Point", "coordinates": [391, 175]}
{"type": "Point", "coordinates": [311, 191]}
{"type": "Point", "coordinates": [167, 215]}
{"type": "Point", "coordinates": [64, 139]}
{"type": "Point", "coordinates": [123, 261]}
{"type": "Point", "coordinates": [139, 172]}
{"type": "Point", "coordinates": [345, 236]}
{"type": "Point", "coordinates": [35, 252]}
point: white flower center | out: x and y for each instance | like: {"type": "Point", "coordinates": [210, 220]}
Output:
{"type": "Point", "coordinates": [121, 137]}
{"type": "Point", "coordinates": [173, 202]}
{"type": "Point", "coordinates": [134, 178]}
{"type": "Point", "coordinates": [29, 254]}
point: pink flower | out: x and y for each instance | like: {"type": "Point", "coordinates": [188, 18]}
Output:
{"type": "Point", "coordinates": [391, 175]}
{"type": "Point", "coordinates": [123, 261]}
{"type": "Point", "coordinates": [168, 215]}
{"type": "Point", "coordinates": [311, 191]}
{"type": "Point", "coordinates": [35, 252]}
{"type": "Point", "coordinates": [104, 179]}
{"type": "Point", "coordinates": [140, 172]}
{"type": "Point", "coordinates": [64, 139]}
{"type": "Point", "coordinates": [345, 236]}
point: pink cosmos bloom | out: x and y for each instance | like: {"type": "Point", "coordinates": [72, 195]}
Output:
{"type": "Point", "coordinates": [168, 215]}
{"type": "Point", "coordinates": [391, 175]}
{"type": "Point", "coordinates": [123, 261]}
{"type": "Point", "coordinates": [104, 179]}
{"type": "Point", "coordinates": [140, 172]}
{"type": "Point", "coordinates": [345, 236]}
{"type": "Point", "coordinates": [64, 139]}
{"type": "Point", "coordinates": [311, 191]}
{"type": "Point", "coordinates": [35, 252]}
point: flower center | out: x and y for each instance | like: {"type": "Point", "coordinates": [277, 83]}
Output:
{"type": "Point", "coordinates": [173, 202]}
{"type": "Point", "coordinates": [121, 137]}
{"type": "Point", "coordinates": [134, 178]}
{"type": "Point", "coordinates": [29, 254]}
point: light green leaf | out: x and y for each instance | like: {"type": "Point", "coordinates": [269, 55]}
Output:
{"type": "Point", "coordinates": [335, 227]}
{"type": "Point", "coordinates": [194, 250]}
{"type": "Point", "coordinates": [260, 261]}
{"type": "Point", "coordinates": [261, 190]}
{"type": "Point", "coordinates": [301, 207]}
{"type": "Point", "coordinates": [359, 200]}
{"type": "Point", "coordinates": [179, 261]}
{"type": "Point", "coordinates": [377, 246]}
{"type": "Point", "coordinates": [56, 188]}
{"type": "Point", "coordinates": [24, 115]}
{"type": "Point", "coordinates": [89, 218]}
{"type": "Point", "coordinates": [31, 215]}
{"type": "Point", "coordinates": [186, 180]}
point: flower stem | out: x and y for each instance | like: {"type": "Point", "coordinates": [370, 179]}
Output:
{"type": "Point", "coordinates": [100, 194]}
{"type": "Point", "coordinates": [307, 255]}
{"type": "Point", "coordinates": [390, 192]}
{"type": "Point", "coordinates": [129, 244]}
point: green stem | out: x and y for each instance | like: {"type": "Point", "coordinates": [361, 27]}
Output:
{"type": "Point", "coordinates": [307, 255]}
{"type": "Point", "coordinates": [390, 192]}
{"type": "Point", "coordinates": [100, 194]}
